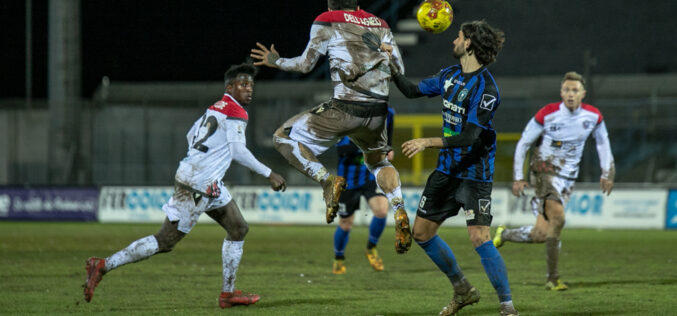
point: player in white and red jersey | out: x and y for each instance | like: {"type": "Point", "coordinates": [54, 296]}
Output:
{"type": "Point", "coordinates": [214, 141]}
{"type": "Point", "coordinates": [563, 129]}
{"type": "Point", "coordinates": [359, 46]}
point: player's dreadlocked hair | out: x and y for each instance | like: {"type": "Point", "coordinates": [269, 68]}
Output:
{"type": "Point", "coordinates": [485, 41]}
{"type": "Point", "coordinates": [243, 68]}
{"type": "Point", "coordinates": [342, 4]}
{"type": "Point", "coordinates": [574, 76]}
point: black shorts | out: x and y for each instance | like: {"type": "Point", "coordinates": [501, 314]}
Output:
{"type": "Point", "coordinates": [349, 201]}
{"type": "Point", "coordinates": [444, 196]}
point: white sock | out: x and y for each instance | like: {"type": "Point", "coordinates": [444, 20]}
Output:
{"type": "Point", "coordinates": [231, 252]}
{"type": "Point", "coordinates": [522, 234]}
{"type": "Point", "coordinates": [395, 198]}
{"type": "Point", "coordinates": [136, 251]}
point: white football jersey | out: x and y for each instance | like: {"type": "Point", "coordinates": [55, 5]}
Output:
{"type": "Point", "coordinates": [351, 40]}
{"type": "Point", "coordinates": [209, 153]}
{"type": "Point", "coordinates": [564, 134]}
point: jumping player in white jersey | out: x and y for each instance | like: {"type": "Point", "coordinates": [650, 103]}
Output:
{"type": "Point", "coordinates": [359, 46]}
{"type": "Point", "coordinates": [563, 128]}
{"type": "Point", "coordinates": [214, 141]}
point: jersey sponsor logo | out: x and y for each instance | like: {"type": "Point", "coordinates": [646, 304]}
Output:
{"type": "Point", "coordinates": [560, 144]}
{"type": "Point", "coordinates": [485, 206]}
{"type": "Point", "coordinates": [469, 215]}
{"type": "Point", "coordinates": [370, 21]}
{"type": "Point", "coordinates": [462, 95]}
{"type": "Point", "coordinates": [452, 106]}
{"type": "Point", "coordinates": [451, 119]}
{"type": "Point", "coordinates": [487, 102]}
{"type": "Point", "coordinates": [554, 127]}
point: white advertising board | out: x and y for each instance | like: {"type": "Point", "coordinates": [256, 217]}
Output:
{"type": "Point", "coordinates": [642, 209]}
{"type": "Point", "coordinates": [133, 204]}
{"type": "Point", "coordinates": [589, 208]}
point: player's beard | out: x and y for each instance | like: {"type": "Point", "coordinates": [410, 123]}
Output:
{"type": "Point", "coordinates": [458, 52]}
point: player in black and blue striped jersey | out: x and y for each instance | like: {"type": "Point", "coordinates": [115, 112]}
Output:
{"type": "Point", "coordinates": [359, 182]}
{"type": "Point", "coordinates": [465, 167]}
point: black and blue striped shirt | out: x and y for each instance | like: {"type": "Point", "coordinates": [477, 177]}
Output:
{"type": "Point", "coordinates": [467, 98]}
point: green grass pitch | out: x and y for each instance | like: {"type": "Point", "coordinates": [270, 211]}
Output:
{"type": "Point", "coordinates": [609, 272]}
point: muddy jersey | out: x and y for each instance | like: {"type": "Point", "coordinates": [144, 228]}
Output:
{"type": "Point", "coordinates": [351, 40]}
{"type": "Point", "coordinates": [564, 133]}
{"type": "Point", "coordinates": [467, 98]}
{"type": "Point", "coordinates": [209, 154]}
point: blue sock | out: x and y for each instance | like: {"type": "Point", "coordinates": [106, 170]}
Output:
{"type": "Point", "coordinates": [443, 257]}
{"type": "Point", "coordinates": [340, 242]}
{"type": "Point", "coordinates": [494, 266]}
{"type": "Point", "coordinates": [376, 229]}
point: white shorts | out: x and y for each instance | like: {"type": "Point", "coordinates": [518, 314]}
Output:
{"type": "Point", "coordinates": [550, 187]}
{"type": "Point", "coordinates": [182, 206]}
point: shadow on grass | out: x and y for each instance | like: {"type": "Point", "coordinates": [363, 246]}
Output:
{"type": "Point", "coordinates": [467, 311]}
{"type": "Point", "coordinates": [589, 313]}
{"type": "Point", "coordinates": [593, 284]}
{"type": "Point", "coordinates": [312, 301]}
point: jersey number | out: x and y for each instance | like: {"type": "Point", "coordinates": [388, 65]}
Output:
{"type": "Point", "coordinates": [210, 124]}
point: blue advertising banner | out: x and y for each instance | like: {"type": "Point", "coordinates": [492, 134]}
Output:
{"type": "Point", "coordinates": [671, 214]}
{"type": "Point", "coordinates": [49, 204]}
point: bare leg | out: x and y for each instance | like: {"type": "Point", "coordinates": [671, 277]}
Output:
{"type": "Point", "coordinates": [388, 179]}
{"type": "Point", "coordinates": [299, 156]}
{"type": "Point", "coordinates": [555, 213]}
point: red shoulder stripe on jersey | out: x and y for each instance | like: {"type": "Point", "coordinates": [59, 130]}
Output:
{"type": "Point", "coordinates": [550, 108]}
{"type": "Point", "coordinates": [592, 109]}
{"type": "Point", "coordinates": [228, 106]}
{"type": "Point", "coordinates": [360, 17]}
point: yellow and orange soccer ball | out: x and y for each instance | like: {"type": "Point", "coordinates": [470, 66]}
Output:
{"type": "Point", "coordinates": [435, 16]}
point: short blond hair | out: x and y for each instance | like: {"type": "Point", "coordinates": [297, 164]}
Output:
{"type": "Point", "coordinates": [574, 76]}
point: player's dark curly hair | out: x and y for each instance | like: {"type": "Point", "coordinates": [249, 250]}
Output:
{"type": "Point", "coordinates": [342, 4]}
{"type": "Point", "coordinates": [243, 68]}
{"type": "Point", "coordinates": [485, 41]}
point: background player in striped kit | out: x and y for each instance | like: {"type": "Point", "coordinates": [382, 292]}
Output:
{"type": "Point", "coordinates": [464, 173]}
{"type": "Point", "coordinates": [563, 128]}
{"type": "Point", "coordinates": [359, 46]}
{"type": "Point", "coordinates": [214, 140]}
{"type": "Point", "coordinates": [359, 182]}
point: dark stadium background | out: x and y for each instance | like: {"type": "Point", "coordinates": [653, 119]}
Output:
{"type": "Point", "coordinates": [196, 40]}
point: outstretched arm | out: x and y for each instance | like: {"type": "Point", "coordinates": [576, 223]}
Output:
{"type": "Point", "coordinates": [266, 57]}
{"type": "Point", "coordinates": [243, 156]}
{"type": "Point", "coordinates": [466, 138]}
{"type": "Point", "coordinates": [317, 46]}
{"type": "Point", "coordinates": [409, 89]}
